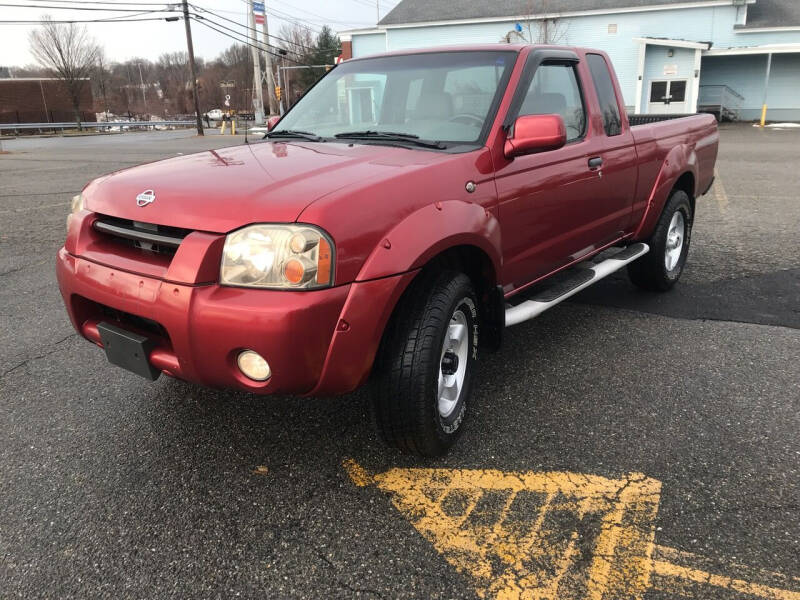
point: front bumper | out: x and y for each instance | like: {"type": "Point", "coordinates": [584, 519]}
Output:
{"type": "Point", "coordinates": [316, 342]}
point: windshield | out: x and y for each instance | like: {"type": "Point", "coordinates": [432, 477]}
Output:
{"type": "Point", "coordinates": [443, 97]}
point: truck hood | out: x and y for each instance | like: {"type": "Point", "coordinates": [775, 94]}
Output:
{"type": "Point", "coordinates": [222, 190]}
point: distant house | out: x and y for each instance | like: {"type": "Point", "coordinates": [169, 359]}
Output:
{"type": "Point", "coordinates": [671, 56]}
{"type": "Point", "coordinates": [41, 100]}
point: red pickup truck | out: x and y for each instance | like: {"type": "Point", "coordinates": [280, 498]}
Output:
{"type": "Point", "coordinates": [388, 228]}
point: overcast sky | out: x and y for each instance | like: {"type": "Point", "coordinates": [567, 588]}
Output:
{"type": "Point", "coordinates": [148, 39]}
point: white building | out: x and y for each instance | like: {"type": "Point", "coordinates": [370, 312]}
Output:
{"type": "Point", "coordinates": [671, 56]}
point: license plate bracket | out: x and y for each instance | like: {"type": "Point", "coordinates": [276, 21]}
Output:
{"type": "Point", "coordinates": [128, 350]}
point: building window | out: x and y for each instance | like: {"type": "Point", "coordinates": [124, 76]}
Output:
{"type": "Point", "coordinates": [612, 29]}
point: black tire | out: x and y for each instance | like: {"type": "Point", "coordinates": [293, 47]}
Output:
{"type": "Point", "coordinates": [405, 388]}
{"type": "Point", "coordinates": [650, 272]}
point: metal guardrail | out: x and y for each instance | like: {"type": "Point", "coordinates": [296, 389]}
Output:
{"type": "Point", "coordinates": [103, 125]}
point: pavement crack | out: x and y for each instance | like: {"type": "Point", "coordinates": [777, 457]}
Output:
{"type": "Point", "coordinates": [38, 356]}
{"type": "Point", "coordinates": [344, 584]}
{"type": "Point", "coordinates": [11, 271]}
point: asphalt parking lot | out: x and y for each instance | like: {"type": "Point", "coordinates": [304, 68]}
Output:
{"type": "Point", "coordinates": [623, 445]}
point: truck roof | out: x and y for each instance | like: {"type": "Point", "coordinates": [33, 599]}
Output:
{"type": "Point", "coordinates": [497, 47]}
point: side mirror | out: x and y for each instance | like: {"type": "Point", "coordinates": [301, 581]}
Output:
{"type": "Point", "coordinates": [271, 122]}
{"type": "Point", "coordinates": [536, 133]}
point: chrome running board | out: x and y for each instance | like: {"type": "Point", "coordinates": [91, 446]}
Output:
{"type": "Point", "coordinates": [572, 282]}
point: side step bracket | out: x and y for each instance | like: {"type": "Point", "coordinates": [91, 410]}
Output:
{"type": "Point", "coordinates": [575, 280]}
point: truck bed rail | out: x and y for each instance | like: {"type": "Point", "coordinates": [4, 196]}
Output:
{"type": "Point", "coordinates": [635, 120]}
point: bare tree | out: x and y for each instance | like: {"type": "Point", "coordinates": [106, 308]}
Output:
{"type": "Point", "coordinates": [174, 77]}
{"type": "Point", "coordinates": [69, 52]}
{"type": "Point", "coordinates": [541, 27]}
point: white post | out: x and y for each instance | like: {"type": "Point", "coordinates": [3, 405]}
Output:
{"type": "Point", "coordinates": [259, 99]}
{"type": "Point", "coordinates": [695, 97]}
{"type": "Point", "coordinates": [640, 76]}
{"type": "Point", "coordinates": [766, 90]}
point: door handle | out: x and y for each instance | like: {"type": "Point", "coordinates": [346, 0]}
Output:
{"type": "Point", "coordinates": [595, 162]}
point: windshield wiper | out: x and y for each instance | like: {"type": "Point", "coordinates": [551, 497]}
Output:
{"type": "Point", "coordinates": [294, 133]}
{"type": "Point", "coordinates": [390, 136]}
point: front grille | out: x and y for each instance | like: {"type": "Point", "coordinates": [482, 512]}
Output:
{"type": "Point", "coordinates": [159, 239]}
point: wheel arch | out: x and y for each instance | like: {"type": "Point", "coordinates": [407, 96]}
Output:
{"type": "Point", "coordinates": [678, 171]}
{"type": "Point", "coordinates": [476, 264]}
{"type": "Point", "coordinates": [450, 235]}
{"type": "Point", "coordinates": [687, 183]}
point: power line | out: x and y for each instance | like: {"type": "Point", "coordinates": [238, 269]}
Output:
{"type": "Point", "coordinates": [267, 44]}
{"type": "Point", "coordinates": [76, 8]}
{"type": "Point", "coordinates": [146, 12]}
{"type": "Point", "coordinates": [285, 17]}
{"type": "Point", "coordinates": [206, 10]}
{"type": "Point", "coordinates": [68, 21]}
{"type": "Point", "coordinates": [100, 2]}
{"type": "Point", "coordinates": [247, 43]}
{"type": "Point", "coordinates": [327, 19]}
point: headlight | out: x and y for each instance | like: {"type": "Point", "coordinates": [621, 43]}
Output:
{"type": "Point", "coordinates": [278, 256]}
{"type": "Point", "coordinates": [76, 205]}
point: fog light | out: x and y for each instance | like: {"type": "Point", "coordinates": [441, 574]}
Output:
{"type": "Point", "coordinates": [253, 365]}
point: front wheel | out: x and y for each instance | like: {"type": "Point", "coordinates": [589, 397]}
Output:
{"type": "Point", "coordinates": [425, 367]}
{"type": "Point", "coordinates": [660, 269]}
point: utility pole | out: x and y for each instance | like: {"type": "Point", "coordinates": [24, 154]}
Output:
{"type": "Point", "coordinates": [280, 85]}
{"type": "Point", "coordinates": [273, 101]}
{"type": "Point", "coordinates": [192, 67]}
{"type": "Point", "coordinates": [378, 10]}
{"type": "Point", "coordinates": [141, 82]}
{"type": "Point", "coordinates": [259, 99]}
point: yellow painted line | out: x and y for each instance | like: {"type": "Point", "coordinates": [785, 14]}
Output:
{"type": "Point", "coordinates": [674, 578]}
{"type": "Point", "coordinates": [357, 473]}
{"type": "Point", "coordinates": [558, 535]}
{"type": "Point", "coordinates": [678, 570]}
{"type": "Point", "coordinates": [719, 191]}
{"type": "Point", "coordinates": [478, 521]}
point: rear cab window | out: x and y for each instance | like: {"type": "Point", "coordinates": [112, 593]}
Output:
{"type": "Point", "coordinates": [606, 96]}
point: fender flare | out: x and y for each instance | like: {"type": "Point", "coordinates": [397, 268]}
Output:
{"type": "Point", "coordinates": [431, 230]}
{"type": "Point", "coordinates": [679, 160]}
{"type": "Point", "coordinates": [387, 273]}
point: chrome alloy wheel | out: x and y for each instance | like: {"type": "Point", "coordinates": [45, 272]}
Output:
{"type": "Point", "coordinates": [453, 363]}
{"type": "Point", "coordinates": [675, 239]}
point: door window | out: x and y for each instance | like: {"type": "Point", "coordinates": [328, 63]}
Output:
{"type": "Point", "coordinates": [673, 91]}
{"type": "Point", "coordinates": [677, 91]}
{"type": "Point", "coordinates": [555, 90]}
{"type": "Point", "coordinates": [658, 91]}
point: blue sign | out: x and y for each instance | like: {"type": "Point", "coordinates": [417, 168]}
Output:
{"type": "Point", "coordinates": [518, 27]}
{"type": "Point", "coordinates": [258, 7]}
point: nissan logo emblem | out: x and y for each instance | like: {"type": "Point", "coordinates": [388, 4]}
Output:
{"type": "Point", "coordinates": [145, 198]}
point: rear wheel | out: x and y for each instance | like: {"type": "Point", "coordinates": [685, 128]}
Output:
{"type": "Point", "coordinates": [425, 367]}
{"type": "Point", "coordinates": [660, 269]}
